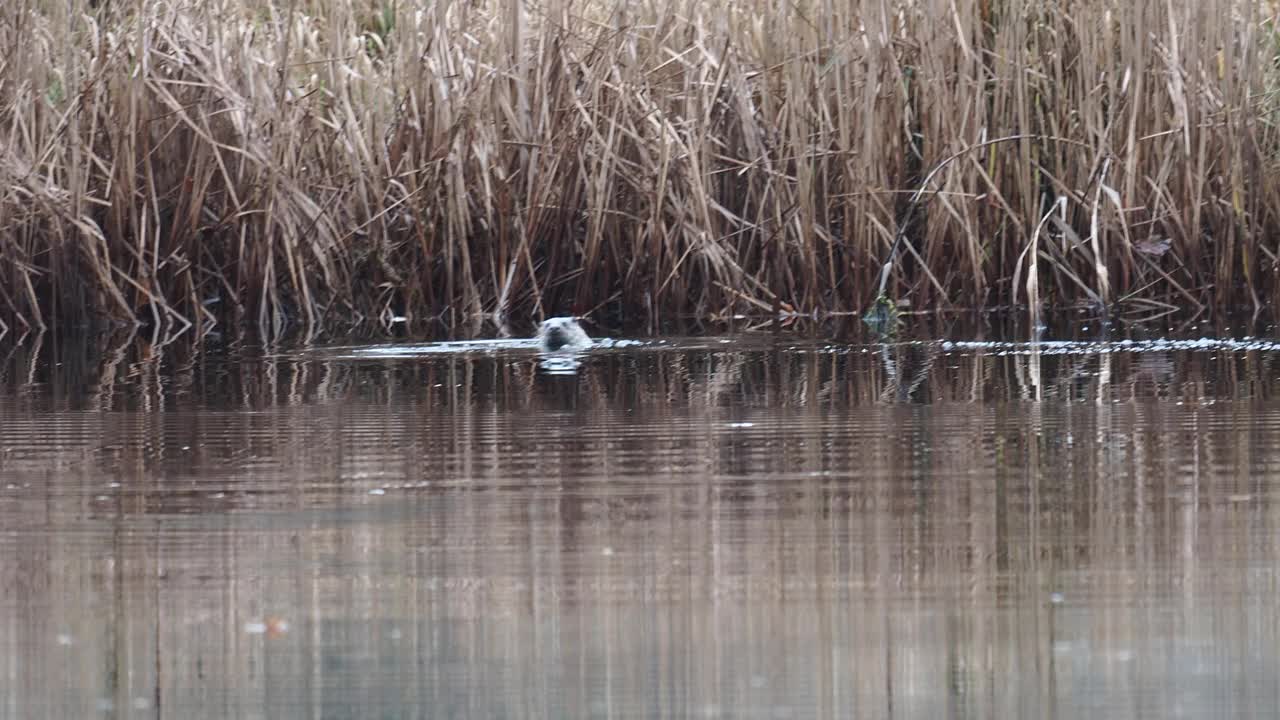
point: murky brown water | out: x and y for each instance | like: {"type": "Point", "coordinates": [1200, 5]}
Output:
{"type": "Point", "coordinates": [745, 529]}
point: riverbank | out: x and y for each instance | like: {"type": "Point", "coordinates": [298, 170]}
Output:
{"type": "Point", "coordinates": [328, 164]}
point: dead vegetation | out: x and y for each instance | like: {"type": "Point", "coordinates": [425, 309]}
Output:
{"type": "Point", "coordinates": [323, 164]}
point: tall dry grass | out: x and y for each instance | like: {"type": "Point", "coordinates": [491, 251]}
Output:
{"type": "Point", "coordinates": [326, 163]}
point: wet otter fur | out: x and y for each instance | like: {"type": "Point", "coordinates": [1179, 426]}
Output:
{"type": "Point", "coordinates": [563, 334]}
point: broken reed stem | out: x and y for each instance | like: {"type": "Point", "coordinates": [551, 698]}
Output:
{"type": "Point", "coordinates": [914, 201]}
{"type": "Point", "coordinates": [325, 164]}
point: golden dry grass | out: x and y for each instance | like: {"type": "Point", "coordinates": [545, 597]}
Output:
{"type": "Point", "coordinates": [326, 163]}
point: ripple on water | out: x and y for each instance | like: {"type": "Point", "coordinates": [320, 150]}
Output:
{"type": "Point", "coordinates": [791, 526]}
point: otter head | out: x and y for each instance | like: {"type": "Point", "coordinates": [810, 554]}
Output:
{"type": "Point", "coordinates": [563, 333]}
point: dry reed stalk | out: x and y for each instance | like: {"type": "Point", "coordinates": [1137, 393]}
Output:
{"type": "Point", "coordinates": [318, 164]}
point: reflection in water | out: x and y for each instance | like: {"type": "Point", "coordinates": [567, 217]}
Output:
{"type": "Point", "coordinates": [727, 530]}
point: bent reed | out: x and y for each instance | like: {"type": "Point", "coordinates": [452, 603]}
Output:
{"type": "Point", "coordinates": [319, 163]}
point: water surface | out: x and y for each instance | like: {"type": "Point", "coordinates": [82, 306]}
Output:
{"type": "Point", "coordinates": [721, 527]}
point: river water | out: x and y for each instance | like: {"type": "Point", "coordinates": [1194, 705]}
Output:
{"type": "Point", "coordinates": [745, 527]}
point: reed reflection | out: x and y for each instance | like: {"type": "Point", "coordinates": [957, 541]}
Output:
{"type": "Point", "coordinates": [758, 528]}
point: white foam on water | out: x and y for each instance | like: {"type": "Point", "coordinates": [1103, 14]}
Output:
{"type": "Point", "coordinates": [1078, 347]}
{"type": "Point", "coordinates": [463, 347]}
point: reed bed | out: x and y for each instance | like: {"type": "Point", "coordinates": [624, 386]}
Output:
{"type": "Point", "coordinates": [323, 164]}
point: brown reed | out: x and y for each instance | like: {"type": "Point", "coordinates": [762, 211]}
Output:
{"type": "Point", "coordinates": [324, 164]}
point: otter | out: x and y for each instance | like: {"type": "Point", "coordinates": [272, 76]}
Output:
{"type": "Point", "coordinates": [563, 334]}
